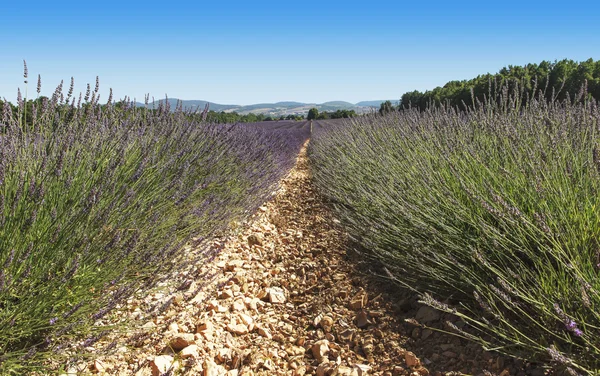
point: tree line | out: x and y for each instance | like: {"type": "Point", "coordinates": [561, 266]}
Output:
{"type": "Point", "coordinates": [234, 117]}
{"type": "Point", "coordinates": [556, 80]}
{"type": "Point", "coordinates": [314, 114]}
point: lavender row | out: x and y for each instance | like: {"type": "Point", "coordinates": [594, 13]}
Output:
{"type": "Point", "coordinates": [490, 214]}
{"type": "Point", "coordinates": [96, 200]}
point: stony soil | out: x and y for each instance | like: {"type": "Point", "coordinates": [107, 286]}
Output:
{"type": "Point", "coordinates": [286, 295]}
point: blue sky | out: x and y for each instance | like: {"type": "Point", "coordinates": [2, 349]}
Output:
{"type": "Point", "coordinates": [267, 51]}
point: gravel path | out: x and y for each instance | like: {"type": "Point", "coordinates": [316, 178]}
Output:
{"type": "Point", "coordinates": [285, 296]}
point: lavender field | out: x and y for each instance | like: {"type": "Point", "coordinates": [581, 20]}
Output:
{"type": "Point", "coordinates": [97, 200]}
{"type": "Point", "coordinates": [490, 214]}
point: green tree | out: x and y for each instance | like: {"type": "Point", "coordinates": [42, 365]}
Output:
{"type": "Point", "coordinates": [386, 107]}
{"type": "Point", "coordinates": [313, 113]}
{"type": "Point", "coordinates": [323, 115]}
{"type": "Point", "coordinates": [555, 80]}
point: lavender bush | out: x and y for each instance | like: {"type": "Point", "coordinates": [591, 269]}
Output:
{"type": "Point", "coordinates": [95, 200]}
{"type": "Point", "coordinates": [491, 214]}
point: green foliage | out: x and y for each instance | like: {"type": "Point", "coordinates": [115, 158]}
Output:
{"type": "Point", "coordinates": [557, 81]}
{"type": "Point", "coordinates": [386, 107]}
{"type": "Point", "coordinates": [337, 114]}
{"type": "Point", "coordinates": [234, 117]}
{"type": "Point", "coordinates": [95, 201]}
{"type": "Point", "coordinates": [490, 214]}
{"type": "Point", "coordinates": [313, 114]}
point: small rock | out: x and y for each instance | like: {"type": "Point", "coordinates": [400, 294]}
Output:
{"type": "Point", "coordinates": [226, 294]}
{"type": "Point", "coordinates": [238, 305]}
{"type": "Point", "coordinates": [426, 314]}
{"type": "Point", "coordinates": [323, 370]}
{"type": "Point", "coordinates": [362, 369]}
{"type": "Point", "coordinates": [320, 349]}
{"type": "Point", "coordinates": [505, 372]}
{"type": "Point", "coordinates": [449, 354]}
{"type": "Point", "coordinates": [416, 333]}
{"type": "Point", "coordinates": [190, 351]}
{"type": "Point", "coordinates": [255, 239]}
{"type": "Point", "coordinates": [246, 320]}
{"type": "Point", "coordinates": [326, 323]}
{"type": "Point", "coordinates": [295, 350]}
{"type": "Point", "coordinates": [181, 341]}
{"type": "Point", "coordinates": [239, 278]}
{"type": "Point", "coordinates": [276, 295]}
{"type": "Point", "coordinates": [359, 301]}
{"type": "Point", "coordinates": [224, 355]}
{"type": "Point", "coordinates": [412, 360]}
{"type": "Point", "coordinates": [99, 365]}
{"type": "Point", "coordinates": [346, 371]}
{"type": "Point", "coordinates": [238, 329]}
{"type": "Point", "coordinates": [173, 327]}
{"type": "Point", "coordinates": [205, 328]}
{"type": "Point", "coordinates": [71, 371]}
{"type": "Point", "coordinates": [317, 320]}
{"type": "Point", "coordinates": [300, 371]}
{"type": "Point", "coordinates": [265, 332]}
{"type": "Point", "coordinates": [161, 364]}
{"type": "Point", "coordinates": [426, 333]}
{"type": "Point", "coordinates": [212, 369]}
{"type": "Point", "coordinates": [361, 319]}
{"type": "Point", "coordinates": [233, 265]}
{"type": "Point", "coordinates": [263, 294]}
{"type": "Point", "coordinates": [346, 335]}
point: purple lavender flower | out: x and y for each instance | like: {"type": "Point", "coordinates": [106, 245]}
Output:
{"type": "Point", "coordinates": [25, 71]}
{"type": "Point", "coordinates": [19, 98]}
{"type": "Point", "coordinates": [70, 93]}
{"type": "Point", "coordinates": [53, 321]}
{"type": "Point", "coordinates": [570, 324]}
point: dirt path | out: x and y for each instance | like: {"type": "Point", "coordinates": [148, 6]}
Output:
{"type": "Point", "coordinates": [284, 297]}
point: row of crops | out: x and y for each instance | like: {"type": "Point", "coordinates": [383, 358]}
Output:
{"type": "Point", "coordinates": [96, 201]}
{"type": "Point", "coordinates": [492, 214]}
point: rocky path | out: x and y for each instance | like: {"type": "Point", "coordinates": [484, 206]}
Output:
{"type": "Point", "coordinates": [284, 297]}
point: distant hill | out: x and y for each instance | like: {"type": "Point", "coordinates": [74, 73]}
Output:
{"type": "Point", "coordinates": [273, 109]}
{"type": "Point", "coordinates": [373, 103]}
{"type": "Point", "coordinates": [337, 104]}
{"type": "Point", "coordinates": [192, 105]}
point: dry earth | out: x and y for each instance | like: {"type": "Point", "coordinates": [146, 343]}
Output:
{"type": "Point", "coordinates": [285, 296]}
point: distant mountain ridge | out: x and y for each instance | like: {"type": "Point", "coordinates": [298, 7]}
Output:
{"type": "Point", "coordinates": [274, 109]}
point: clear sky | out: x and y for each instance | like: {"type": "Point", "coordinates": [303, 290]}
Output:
{"type": "Point", "coordinates": [266, 51]}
